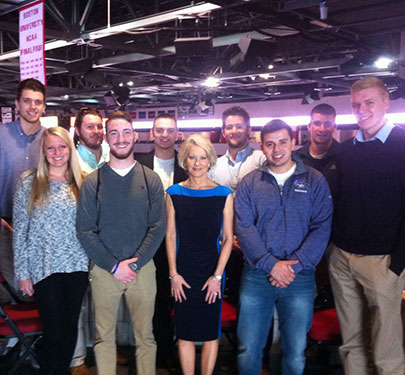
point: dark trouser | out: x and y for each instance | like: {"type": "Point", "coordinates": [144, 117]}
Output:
{"type": "Point", "coordinates": [162, 322]}
{"type": "Point", "coordinates": [59, 298]}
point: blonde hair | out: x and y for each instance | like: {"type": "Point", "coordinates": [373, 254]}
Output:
{"type": "Point", "coordinates": [370, 83]}
{"type": "Point", "coordinates": [200, 141]}
{"type": "Point", "coordinates": [40, 183]}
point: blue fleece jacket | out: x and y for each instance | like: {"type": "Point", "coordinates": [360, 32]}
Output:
{"type": "Point", "coordinates": [294, 225]}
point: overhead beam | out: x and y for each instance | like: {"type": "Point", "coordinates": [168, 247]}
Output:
{"type": "Point", "coordinates": [86, 12]}
{"type": "Point", "coordinates": [131, 8]}
{"type": "Point", "coordinates": [199, 8]}
{"type": "Point", "coordinates": [14, 6]}
{"type": "Point", "coordinates": [304, 26]}
{"type": "Point", "coordinates": [74, 11]}
{"type": "Point", "coordinates": [155, 19]}
{"type": "Point", "coordinates": [170, 74]}
{"type": "Point", "coordinates": [53, 10]}
{"type": "Point", "coordinates": [170, 50]}
{"type": "Point", "coordinates": [294, 68]}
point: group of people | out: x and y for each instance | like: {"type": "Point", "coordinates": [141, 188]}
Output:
{"type": "Point", "coordinates": [281, 208]}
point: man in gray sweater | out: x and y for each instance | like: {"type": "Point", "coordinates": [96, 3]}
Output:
{"type": "Point", "coordinates": [121, 223]}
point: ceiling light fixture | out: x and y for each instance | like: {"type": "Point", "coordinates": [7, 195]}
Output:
{"type": "Point", "coordinates": [211, 82]}
{"type": "Point", "coordinates": [266, 76]}
{"type": "Point", "coordinates": [130, 83]}
{"type": "Point", "coordinates": [272, 93]}
{"type": "Point", "coordinates": [323, 11]}
{"type": "Point", "coordinates": [383, 62]}
{"type": "Point", "coordinates": [323, 89]}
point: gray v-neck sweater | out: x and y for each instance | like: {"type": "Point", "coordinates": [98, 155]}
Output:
{"type": "Point", "coordinates": [128, 224]}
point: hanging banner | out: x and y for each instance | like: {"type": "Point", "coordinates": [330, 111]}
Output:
{"type": "Point", "coordinates": [32, 38]}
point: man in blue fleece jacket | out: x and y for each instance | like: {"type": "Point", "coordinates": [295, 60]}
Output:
{"type": "Point", "coordinates": [283, 219]}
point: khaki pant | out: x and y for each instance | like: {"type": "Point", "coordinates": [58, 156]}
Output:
{"type": "Point", "coordinates": [368, 301]}
{"type": "Point", "coordinates": [140, 299]}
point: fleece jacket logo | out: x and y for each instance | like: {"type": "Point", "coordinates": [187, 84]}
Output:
{"type": "Point", "coordinates": [300, 186]}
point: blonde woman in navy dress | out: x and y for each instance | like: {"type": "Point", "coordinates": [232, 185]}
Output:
{"type": "Point", "coordinates": [198, 241]}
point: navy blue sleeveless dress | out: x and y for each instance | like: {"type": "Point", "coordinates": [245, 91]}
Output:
{"type": "Point", "coordinates": [199, 218]}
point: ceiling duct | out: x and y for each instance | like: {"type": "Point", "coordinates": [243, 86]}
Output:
{"type": "Point", "coordinates": [310, 96]}
{"type": "Point", "coordinates": [351, 66]}
{"type": "Point", "coordinates": [79, 67]}
{"type": "Point", "coordinates": [253, 48]}
{"type": "Point", "coordinates": [118, 97]}
{"type": "Point", "coordinates": [122, 94]}
{"type": "Point", "coordinates": [193, 47]}
{"type": "Point", "coordinates": [109, 100]}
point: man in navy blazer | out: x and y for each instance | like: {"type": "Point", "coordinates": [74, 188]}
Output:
{"type": "Point", "coordinates": [163, 160]}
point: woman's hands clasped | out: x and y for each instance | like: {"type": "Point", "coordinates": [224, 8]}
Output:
{"type": "Point", "coordinates": [177, 282]}
{"type": "Point", "coordinates": [213, 287]}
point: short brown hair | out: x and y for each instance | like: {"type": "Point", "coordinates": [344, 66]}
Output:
{"type": "Point", "coordinates": [236, 111]}
{"type": "Point", "coordinates": [274, 126]}
{"type": "Point", "coordinates": [368, 83]}
{"type": "Point", "coordinates": [118, 115]}
{"type": "Point", "coordinates": [79, 119]}
{"type": "Point", "coordinates": [165, 115]}
{"type": "Point", "coordinates": [324, 109]}
{"type": "Point", "coordinates": [30, 84]}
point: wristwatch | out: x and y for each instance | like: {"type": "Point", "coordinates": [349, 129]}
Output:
{"type": "Point", "coordinates": [133, 266]}
{"type": "Point", "coordinates": [217, 278]}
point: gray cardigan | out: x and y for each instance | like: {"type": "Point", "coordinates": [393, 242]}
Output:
{"type": "Point", "coordinates": [126, 219]}
{"type": "Point", "coordinates": [46, 243]}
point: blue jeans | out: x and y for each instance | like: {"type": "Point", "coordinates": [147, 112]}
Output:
{"type": "Point", "coordinates": [295, 309]}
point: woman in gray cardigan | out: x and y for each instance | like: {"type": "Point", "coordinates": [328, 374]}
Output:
{"type": "Point", "coordinates": [49, 262]}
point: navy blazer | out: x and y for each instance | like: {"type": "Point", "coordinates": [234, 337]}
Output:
{"type": "Point", "coordinates": [146, 158]}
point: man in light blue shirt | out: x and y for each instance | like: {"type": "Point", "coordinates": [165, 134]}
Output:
{"type": "Point", "coordinates": [89, 135]}
{"type": "Point", "coordinates": [19, 140]}
{"type": "Point", "coordinates": [19, 151]}
{"type": "Point", "coordinates": [240, 158]}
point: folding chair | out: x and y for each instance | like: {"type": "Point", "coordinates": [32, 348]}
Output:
{"type": "Point", "coordinates": [228, 322]}
{"type": "Point", "coordinates": [324, 339]}
{"type": "Point", "coordinates": [21, 321]}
